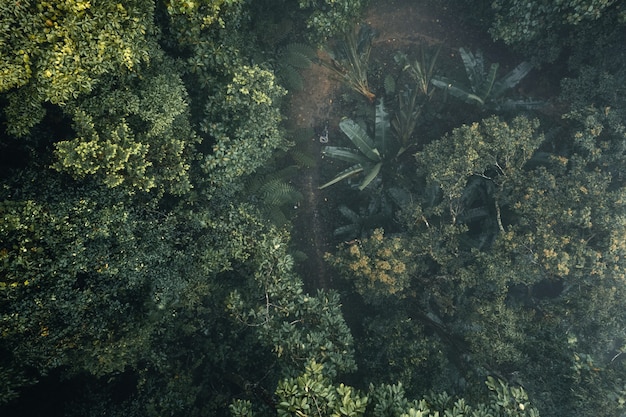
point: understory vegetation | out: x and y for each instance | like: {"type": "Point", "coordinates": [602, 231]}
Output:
{"type": "Point", "coordinates": [153, 176]}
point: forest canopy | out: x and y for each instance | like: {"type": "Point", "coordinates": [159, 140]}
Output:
{"type": "Point", "coordinates": [444, 235]}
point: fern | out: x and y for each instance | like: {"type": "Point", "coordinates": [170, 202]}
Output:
{"type": "Point", "coordinates": [277, 216]}
{"type": "Point", "coordinates": [295, 56]}
{"type": "Point", "coordinates": [303, 158]}
{"type": "Point", "coordinates": [276, 192]}
{"type": "Point", "coordinates": [303, 134]}
{"type": "Point", "coordinates": [299, 55]}
{"type": "Point", "coordinates": [389, 84]}
{"type": "Point", "coordinates": [291, 77]}
{"type": "Point", "coordinates": [274, 33]}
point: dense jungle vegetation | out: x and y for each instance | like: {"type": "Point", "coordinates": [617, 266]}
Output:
{"type": "Point", "coordinates": [149, 171]}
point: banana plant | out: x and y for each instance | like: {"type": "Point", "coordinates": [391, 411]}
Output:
{"type": "Point", "coordinates": [369, 155]}
{"type": "Point", "coordinates": [484, 88]}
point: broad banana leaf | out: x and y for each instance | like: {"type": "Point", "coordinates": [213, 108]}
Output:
{"type": "Point", "coordinates": [383, 134]}
{"type": "Point", "coordinates": [512, 78]}
{"type": "Point", "coordinates": [345, 154]}
{"type": "Point", "coordinates": [370, 175]}
{"type": "Point", "coordinates": [474, 66]}
{"type": "Point", "coordinates": [353, 170]}
{"type": "Point", "coordinates": [485, 89]}
{"type": "Point", "coordinates": [349, 213]}
{"type": "Point", "coordinates": [361, 140]}
{"type": "Point", "coordinates": [527, 104]}
{"type": "Point", "coordinates": [350, 230]}
{"type": "Point", "coordinates": [460, 92]}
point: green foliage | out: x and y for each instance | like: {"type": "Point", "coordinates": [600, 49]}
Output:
{"type": "Point", "coordinates": [242, 120]}
{"type": "Point", "coordinates": [349, 59]}
{"type": "Point", "coordinates": [369, 155]}
{"type": "Point", "coordinates": [59, 50]}
{"type": "Point", "coordinates": [62, 262]}
{"type": "Point", "coordinates": [276, 193]}
{"type": "Point", "coordinates": [327, 18]}
{"type": "Point", "coordinates": [313, 394]}
{"type": "Point", "coordinates": [526, 20]}
{"type": "Point", "coordinates": [422, 70]}
{"type": "Point", "coordinates": [406, 118]}
{"type": "Point", "coordinates": [379, 267]}
{"type": "Point", "coordinates": [137, 134]}
{"type": "Point", "coordinates": [484, 89]}
{"type": "Point", "coordinates": [493, 149]}
{"type": "Point", "coordinates": [295, 56]}
{"type": "Point", "coordinates": [503, 400]}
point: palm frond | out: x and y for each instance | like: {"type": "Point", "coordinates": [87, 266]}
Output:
{"type": "Point", "coordinates": [350, 59]}
{"type": "Point", "coordinates": [457, 90]}
{"type": "Point", "coordinates": [406, 118]}
{"type": "Point", "coordinates": [484, 90]}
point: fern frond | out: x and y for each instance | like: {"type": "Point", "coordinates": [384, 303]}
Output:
{"type": "Point", "coordinates": [274, 33]}
{"type": "Point", "coordinates": [277, 216]}
{"type": "Point", "coordinates": [302, 134]}
{"type": "Point", "coordinates": [389, 84]}
{"type": "Point", "coordinates": [291, 77]}
{"type": "Point", "coordinates": [303, 158]}
{"type": "Point", "coordinates": [286, 173]}
{"type": "Point", "coordinates": [299, 55]}
{"type": "Point", "coordinates": [349, 214]}
{"type": "Point", "coordinates": [299, 256]}
{"type": "Point", "coordinates": [277, 192]}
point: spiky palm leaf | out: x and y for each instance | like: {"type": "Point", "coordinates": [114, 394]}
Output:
{"type": "Point", "coordinates": [350, 60]}
{"type": "Point", "coordinates": [406, 118]}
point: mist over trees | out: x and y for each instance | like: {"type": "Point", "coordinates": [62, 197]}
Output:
{"type": "Point", "coordinates": [147, 266]}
